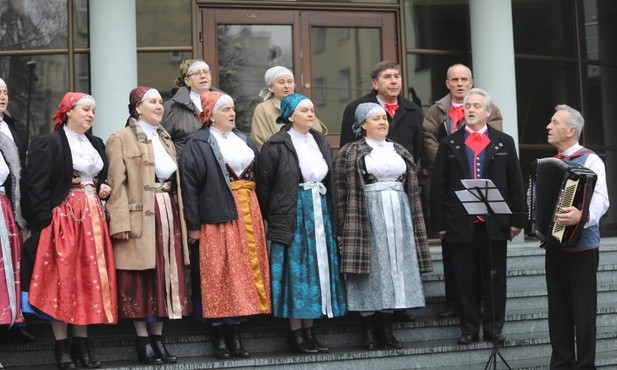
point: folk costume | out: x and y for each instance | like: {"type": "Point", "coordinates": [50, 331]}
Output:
{"type": "Point", "coordinates": [295, 185]}
{"type": "Point", "coordinates": [231, 277]}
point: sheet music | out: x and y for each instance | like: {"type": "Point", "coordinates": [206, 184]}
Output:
{"type": "Point", "coordinates": [472, 201]}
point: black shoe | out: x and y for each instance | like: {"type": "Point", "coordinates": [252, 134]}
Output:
{"type": "Point", "coordinates": [385, 337]}
{"type": "Point", "coordinates": [298, 344]}
{"type": "Point", "coordinates": [467, 339]}
{"type": "Point", "coordinates": [449, 311]}
{"type": "Point", "coordinates": [63, 355]}
{"type": "Point", "coordinates": [158, 345]}
{"type": "Point", "coordinates": [145, 352]}
{"type": "Point", "coordinates": [235, 343]}
{"type": "Point", "coordinates": [367, 330]}
{"type": "Point", "coordinates": [80, 350]}
{"type": "Point", "coordinates": [219, 347]}
{"type": "Point", "coordinates": [313, 342]}
{"type": "Point", "coordinates": [17, 334]}
{"type": "Point", "coordinates": [403, 316]}
{"type": "Point", "coordinates": [497, 338]}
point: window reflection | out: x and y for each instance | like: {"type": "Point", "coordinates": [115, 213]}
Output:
{"type": "Point", "coordinates": [544, 28]}
{"type": "Point", "coordinates": [163, 22]}
{"type": "Point", "coordinates": [82, 72]}
{"type": "Point", "coordinates": [160, 70]}
{"type": "Point", "coordinates": [337, 80]}
{"type": "Point", "coordinates": [437, 25]}
{"type": "Point", "coordinates": [244, 55]}
{"type": "Point", "coordinates": [33, 24]}
{"type": "Point", "coordinates": [49, 84]}
{"type": "Point", "coordinates": [81, 23]}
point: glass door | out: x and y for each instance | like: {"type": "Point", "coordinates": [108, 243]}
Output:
{"type": "Point", "coordinates": [331, 54]}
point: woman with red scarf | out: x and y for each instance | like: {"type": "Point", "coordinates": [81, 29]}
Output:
{"type": "Point", "coordinates": [73, 280]}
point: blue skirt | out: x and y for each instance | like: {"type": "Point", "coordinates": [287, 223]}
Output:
{"type": "Point", "coordinates": [294, 270]}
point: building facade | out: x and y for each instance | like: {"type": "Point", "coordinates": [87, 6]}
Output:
{"type": "Point", "coordinates": [530, 55]}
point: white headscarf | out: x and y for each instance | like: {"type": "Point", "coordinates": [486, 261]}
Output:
{"type": "Point", "coordinates": [271, 75]}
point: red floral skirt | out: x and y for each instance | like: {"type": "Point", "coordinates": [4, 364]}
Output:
{"type": "Point", "coordinates": [74, 275]}
{"type": "Point", "coordinates": [10, 253]}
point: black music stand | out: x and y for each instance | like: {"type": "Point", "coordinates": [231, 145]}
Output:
{"type": "Point", "coordinates": [482, 198]}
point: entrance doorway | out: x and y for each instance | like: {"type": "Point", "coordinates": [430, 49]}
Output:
{"type": "Point", "coordinates": [331, 54]}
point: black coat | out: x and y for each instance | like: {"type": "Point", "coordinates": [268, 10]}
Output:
{"type": "Point", "coordinates": [501, 165]}
{"type": "Point", "coordinates": [278, 180]}
{"type": "Point", "coordinates": [49, 174]}
{"type": "Point", "coordinates": [206, 192]}
{"type": "Point", "coordinates": [405, 127]}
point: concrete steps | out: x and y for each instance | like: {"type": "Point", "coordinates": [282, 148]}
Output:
{"type": "Point", "coordinates": [430, 342]}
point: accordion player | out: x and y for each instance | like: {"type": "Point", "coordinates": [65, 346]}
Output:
{"type": "Point", "coordinates": [553, 185]}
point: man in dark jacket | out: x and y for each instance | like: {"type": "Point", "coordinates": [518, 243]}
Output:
{"type": "Point", "coordinates": [477, 151]}
{"type": "Point", "coordinates": [443, 118]}
{"type": "Point", "coordinates": [405, 116]}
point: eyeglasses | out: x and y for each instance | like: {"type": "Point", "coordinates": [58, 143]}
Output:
{"type": "Point", "coordinates": [199, 73]}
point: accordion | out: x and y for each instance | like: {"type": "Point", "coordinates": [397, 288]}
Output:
{"type": "Point", "coordinates": [554, 184]}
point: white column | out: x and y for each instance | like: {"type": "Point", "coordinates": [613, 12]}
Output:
{"type": "Point", "coordinates": [492, 51]}
{"type": "Point", "coordinates": [113, 62]}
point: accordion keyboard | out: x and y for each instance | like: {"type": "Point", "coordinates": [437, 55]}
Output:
{"type": "Point", "coordinates": [566, 198]}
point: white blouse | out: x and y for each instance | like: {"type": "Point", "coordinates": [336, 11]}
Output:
{"type": "Point", "coordinates": [234, 150]}
{"type": "Point", "coordinates": [196, 98]}
{"type": "Point", "coordinates": [86, 160]}
{"type": "Point", "coordinates": [383, 162]}
{"type": "Point", "coordinates": [312, 163]}
{"type": "Point", "coordinates": [164, 164]}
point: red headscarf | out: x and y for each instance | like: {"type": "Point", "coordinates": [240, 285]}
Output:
{"type": "Point", "coordinates": [68, 101]}
{"type": "Point", "coordinates": [135, 97]}
{"type": "Point", "coordinates": [208, 100]}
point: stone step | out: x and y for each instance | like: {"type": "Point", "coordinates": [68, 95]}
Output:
{"type": "Point", "coordinates": [430, 342]}
{"type": "Point", "coordinates": [188, 340]}
{"type": "Point", "coordinates": [431, 354]}
{"type": "Point", "coordinates": [519, 278]}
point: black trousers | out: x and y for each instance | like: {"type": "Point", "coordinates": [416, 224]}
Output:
{"type": "Point", "coordinates": [448, 274]}
{"type": "Point", "coordinates": [571, 282]}
{"type": "Point", "coordinates": [472, 262]}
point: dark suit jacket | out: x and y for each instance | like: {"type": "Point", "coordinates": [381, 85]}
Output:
{"type": "Point", "coordinates": [501, 165]}
{"type": "Point", "coordinates": [49, 173]}
{"type": "Point", "coordinates": [405, 127]}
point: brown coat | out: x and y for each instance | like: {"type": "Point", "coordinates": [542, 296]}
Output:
{"type": "Point", "coordinates": [131, 203]}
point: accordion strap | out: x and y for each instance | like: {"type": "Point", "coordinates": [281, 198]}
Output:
{"type": "Point", "coordinates": [579, 153]}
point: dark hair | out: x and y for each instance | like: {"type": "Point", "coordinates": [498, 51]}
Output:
{"type": "Point", "coordinates": [382, 66]}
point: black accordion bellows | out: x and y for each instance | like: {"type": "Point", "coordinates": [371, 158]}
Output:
{"type": "Point", "coordinates": [554, 184]}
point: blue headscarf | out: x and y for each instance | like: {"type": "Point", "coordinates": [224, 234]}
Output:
{"type": "Point", "coordinates": [288, 106]}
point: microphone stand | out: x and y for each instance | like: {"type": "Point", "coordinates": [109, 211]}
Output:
{"type": "Point", "coordinates": [489, 211]}
{"type": "Point", "coordinates": [30, 66]}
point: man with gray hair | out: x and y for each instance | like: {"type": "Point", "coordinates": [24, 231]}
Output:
{"type": "Point", "coordinates": [571, 280]}
{"type": "Point", "coordinates": [443, 118]}
{"type": "Point", "coordinates": [477, 151]}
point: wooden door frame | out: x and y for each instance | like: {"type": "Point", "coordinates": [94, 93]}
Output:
{"type": "Point", "coordinates": [300, 22]}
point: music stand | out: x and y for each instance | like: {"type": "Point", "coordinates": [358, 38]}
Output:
{"type": "Point", "coordinates": [482, 198]}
